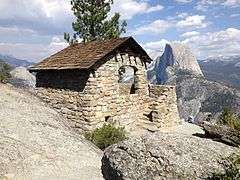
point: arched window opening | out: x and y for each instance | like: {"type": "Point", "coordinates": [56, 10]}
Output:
{"type": "Point", "coordinates": [127, 79]}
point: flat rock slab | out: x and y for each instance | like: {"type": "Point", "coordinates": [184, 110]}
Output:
{"type": "Point", "coordinates": [35, 143]}
{"type": "Point", "coordinates": [164, 156]}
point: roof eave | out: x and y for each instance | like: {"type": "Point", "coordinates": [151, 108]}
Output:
{"type": "Point", "coordinates": [56, 68]}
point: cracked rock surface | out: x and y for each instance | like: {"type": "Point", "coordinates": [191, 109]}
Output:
{"type": "Point", "coordinates": [35, 144]}
{"type": "Point", "coordinates": [164, 156]}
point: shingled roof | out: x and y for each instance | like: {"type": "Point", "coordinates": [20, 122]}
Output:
{"type": "Point", "coordinates": [85, 55]}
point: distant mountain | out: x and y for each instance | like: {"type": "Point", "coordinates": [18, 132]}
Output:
{"type": "Point", "coordinates": [197, 96]}
{"type": "Point", "coordinates": [175, 59]}
{"type": "Point", "coordinates": [222, 69]}
{"type": "Point", "coordinates": [14, 62]}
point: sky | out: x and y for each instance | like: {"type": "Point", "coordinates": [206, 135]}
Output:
{"type": "Point", "coordinates": [33, 29]}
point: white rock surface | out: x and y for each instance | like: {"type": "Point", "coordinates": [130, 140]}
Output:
{"type": "Point", "coordinates": [176, 57]}
{"type": "Point", "coordinates": [35, 143]}
{"type": "Point", "coordinates": [185, 129]}
{"type": "Point", "coordinates": [21, 77]}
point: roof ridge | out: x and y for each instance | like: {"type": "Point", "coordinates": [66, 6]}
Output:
{"type": "Point", "coordinates": [103, 40]}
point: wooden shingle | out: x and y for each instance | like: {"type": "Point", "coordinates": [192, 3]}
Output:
{"type": "Point", "coordinates": [85, 55]}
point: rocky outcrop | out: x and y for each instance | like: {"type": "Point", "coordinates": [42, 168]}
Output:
{"type": "Point", "coordinates": [222, 133]}
{"type": "Point", "coordinates": [164, 156]}
{"type": "Point", "coordinates": [20, 77]}
{"type": "Point", "coordinates": [177, 58]}
{"type": "Point", "coordinates": [35, 142]}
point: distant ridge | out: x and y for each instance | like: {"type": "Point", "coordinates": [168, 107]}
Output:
{"type": "Point", "coordinates": [14, 62]}
{"type": "Point", "coordinates": [222, 69]}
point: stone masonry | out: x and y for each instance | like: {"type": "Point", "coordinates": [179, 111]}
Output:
{"type": "Point", "coordinates": [94, 97]}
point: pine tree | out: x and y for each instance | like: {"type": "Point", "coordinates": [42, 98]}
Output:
{"type": "Point", "coordinates": [92, 21]}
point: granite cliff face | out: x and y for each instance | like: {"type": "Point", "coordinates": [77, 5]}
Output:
{"type": "Point", "coordinates": [197, 96]}
{"type": "Point", "coordinates": [176, 58]}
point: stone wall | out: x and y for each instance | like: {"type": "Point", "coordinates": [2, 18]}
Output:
{"type": "Point", "coordinates": [123, 108]}
{"type": "Point", "coordinates": [103, 99]}
{"type": "Point", "coordinates": [75, 105]}
{"type": "Point", "coordinates": [163, 105]}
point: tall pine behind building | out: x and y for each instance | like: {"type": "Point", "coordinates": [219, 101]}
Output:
{"type": "Point", "coordinates": [93, 21]}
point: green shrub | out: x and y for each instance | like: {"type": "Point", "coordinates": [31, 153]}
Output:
{"type": "Point", "coordinates": [229, 118]}
{"type": "Point", "coordinates": [232, 169]}
{"type": "Point", "coordinates": [4, 71]}
{"type": "Point", "coordinates": [2, 78]}
{"type": "Point", "coordinates": [106, 135]}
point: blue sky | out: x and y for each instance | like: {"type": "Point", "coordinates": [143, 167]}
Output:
{"type": "Point", "coordinates": [33, 29]}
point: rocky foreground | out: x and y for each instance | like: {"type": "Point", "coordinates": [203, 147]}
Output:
{"type": "Point", "coordinates": [36, 144]}
{"type": "Point", "coordinates": [165, 156]}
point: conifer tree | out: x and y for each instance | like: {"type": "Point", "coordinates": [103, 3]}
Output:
{"type": "Point", "coordinates": [93, 21]}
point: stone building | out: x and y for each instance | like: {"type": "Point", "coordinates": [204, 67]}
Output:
{"type": "Point", "coordinates": [105, 82]}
